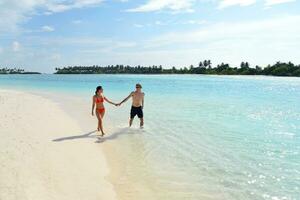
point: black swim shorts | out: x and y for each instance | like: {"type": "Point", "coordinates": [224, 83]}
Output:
{"type": "Point", "coordinates": [136, 111]}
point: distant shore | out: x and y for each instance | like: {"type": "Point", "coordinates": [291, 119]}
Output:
{"type": "Point", "coordinates": [205, 68]}
{"type": "Point", "coordinates": [278, 69]}
{"type": "Point", "coordinates": [20, 73]}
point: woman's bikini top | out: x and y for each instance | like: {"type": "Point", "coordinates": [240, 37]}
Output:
{"type": "Point", "coordinates": [99, 99]}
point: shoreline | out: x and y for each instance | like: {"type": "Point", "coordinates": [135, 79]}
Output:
{"type": "Point", "coordinates": [117, 147]}
{"type": "Point", "coordinates": [40, 160]}
{"type": "Point", "coordinates": [112, 145]}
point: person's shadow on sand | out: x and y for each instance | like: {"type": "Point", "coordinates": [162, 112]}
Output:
{"type": "Point", "coordinates": [100, 139]}
{"type": "Point", "coordinates": [82, 136]}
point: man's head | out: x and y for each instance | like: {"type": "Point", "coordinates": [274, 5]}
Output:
{"type": "Point", "coordinates": [138, 87]}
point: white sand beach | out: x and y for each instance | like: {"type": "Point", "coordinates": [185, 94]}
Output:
{"type": "Point", "coordinates": [34, 166]}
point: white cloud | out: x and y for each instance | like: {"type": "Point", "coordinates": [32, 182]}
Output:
{"type": "Point", "coordinates": [228, 3]}
{"type": "Point", "coordinates": [171, 22]}
{"type": "Point", "coordinates": [48, 13]}
{"type": "Point", "coordinates": [268, 3]}
{"type": "Point", "coordinates": [194, 22]}
{"type": "Point", "coordinates": [187, 5]}
{"type": "Point", "coordinates": [47, 29]}
{"type": "Point", "coordinates": [275, 27]}
{"type": "Point", "coordinates": [160, 23]}
{"type": "Point", "coordinates": [55, 56]}
{"type": "Point", "coordinates": [15, 12]}
{"type": "Point", "coordinates": [138, 25]}
{"type": "Point", "coordinates": [78, 21]}
{"type": "Point", "coordinates": [234, 42]}
{"type": "Point", "coordinates": [78, 42]}
{"type": "Point", "coordinates": [54, 6]}
{"type": "Point", "coordinates": [16, 46]}
{"type": "Point", "coordinates": [275, 2]}
{"type": "Point", "coordinates": [156, 5]}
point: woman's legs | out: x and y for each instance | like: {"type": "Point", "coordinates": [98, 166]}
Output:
{"type": "Point", "coordinates": [100, 116]}
{"type": "Point", "coordinates": [99, 120]}
{"type": "Point", "coordinates": [101, 123]}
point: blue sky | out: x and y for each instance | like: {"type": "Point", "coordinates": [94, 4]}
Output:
{"type": "Point", "coordinates": [40, 35]}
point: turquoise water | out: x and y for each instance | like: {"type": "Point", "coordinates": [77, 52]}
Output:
{"type": "Point", "coordinates": [206, 137]}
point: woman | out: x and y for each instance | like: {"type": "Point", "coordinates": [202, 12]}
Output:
{"type": "Point", "coordinates": [98, 100]}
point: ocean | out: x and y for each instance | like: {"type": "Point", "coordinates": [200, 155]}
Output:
{"type": "Point", "coordinates": [205, 137]}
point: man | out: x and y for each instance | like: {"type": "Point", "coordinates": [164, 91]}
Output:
{"type": "Point", "coordinates": [137, 104]}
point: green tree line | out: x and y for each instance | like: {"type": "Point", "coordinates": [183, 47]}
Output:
{"type": "Point", "coordinates": [204, 67]}
{"type": "Point", "coordinates": [15, 71]}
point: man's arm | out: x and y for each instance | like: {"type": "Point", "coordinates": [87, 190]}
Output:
{"type": "Point", "coordinates": [130, 95]}
{"type": "Point", "coordinates": [143, 102]}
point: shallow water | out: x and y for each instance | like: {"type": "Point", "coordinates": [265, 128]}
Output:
{"type": "Point", "coordinates": [206, 137]}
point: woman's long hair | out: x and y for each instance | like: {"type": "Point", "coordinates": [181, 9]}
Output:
{"type": "Point", "coordinates": [97, 89]}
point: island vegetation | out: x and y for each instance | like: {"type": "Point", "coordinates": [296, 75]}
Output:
{"type": "Point", "coordinates": [15, 71]}
{"type": "Point", "coordinates": [204, 67]}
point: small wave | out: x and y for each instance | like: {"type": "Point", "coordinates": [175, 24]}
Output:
{"type": "Point", "coordinates": [290, 134]}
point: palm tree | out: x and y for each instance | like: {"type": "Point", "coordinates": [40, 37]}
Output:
{"type": "Point", "coordinates": [200, 64]}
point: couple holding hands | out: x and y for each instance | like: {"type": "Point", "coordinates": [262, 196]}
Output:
{"type": "Point", "coordinates": [136, 108]}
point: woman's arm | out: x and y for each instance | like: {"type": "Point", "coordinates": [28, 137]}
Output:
{"type": "Point", "coordinates": [93, 105]}
{"type": "Point", "coordinates": [109, 101]}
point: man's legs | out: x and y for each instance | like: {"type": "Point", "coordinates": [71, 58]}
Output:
{"type": "Point", "coordinates": [132, 115]}
{"type": "Point", "coordinates": [141, 122]}
{"type": "Point", "coordinates": [139, 112]}
{"type": "Point", "coordinates": [130, 122]}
